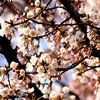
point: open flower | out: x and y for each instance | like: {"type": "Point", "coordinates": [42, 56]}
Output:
{"type": "Point", "coordinates": [33, 60]}
{"type": "Point", "coordinates": [4, 92]}
{"type": "Point", "coordinates": [30, 14]}
{"type": "Point", "coordinates": [22, 72]}
{"type": "Point", "coordinates": [30, 90]}
{"type": "Point", "coordinates": [65, 89]}
{"type": "Point", "coordinates": [40, 69]}
{"type": "Point", "coordinates": [53, 94]}
{"type": "Point", "coordinates": [51, 71]}
{"type": "Point", "coordinates": [13, 65]}
{"type": "Point", "coordinates": [29, 67]}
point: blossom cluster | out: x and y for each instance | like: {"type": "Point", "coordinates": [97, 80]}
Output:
{"type": "Point", "coordinates": [68, 49]}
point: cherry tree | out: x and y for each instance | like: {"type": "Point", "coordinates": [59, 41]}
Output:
{"type": "Point", "coordinates": [69, 31]}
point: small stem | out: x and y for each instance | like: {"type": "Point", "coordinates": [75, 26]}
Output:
{"type": "Point", "coordinates": [55, 8]}
{"type": "Point", "coordinates": [31, 72]}
{"type": "Point", "coordinates": [9, 80]}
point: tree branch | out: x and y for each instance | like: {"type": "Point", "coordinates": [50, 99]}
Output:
{"type": "Point", "coordinates": [7, 51]}
{"type": "Point", "coordinates": [4, 2]}
{"type": "Point", "coordinates": [11, 55]}
{"type": "Point", "coordinates": [70, 67]}
{"type": "Point", "coordinates": [90, 68]}
{"type": "Point", "coordinates": [76, 16]}
{"type": "Point", "coordinates": [43, 9]}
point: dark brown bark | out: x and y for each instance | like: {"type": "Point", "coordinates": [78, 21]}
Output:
{"type": "Point", "coordinates": [11, 55]}
{"type": "Point", "coordinates": [76, 16]}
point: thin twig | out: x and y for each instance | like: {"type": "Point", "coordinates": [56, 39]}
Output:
{"type": "Point", "coordinates": [76, 16]}
{"type": "Point", "coordinates": [31, 72]}
{"type": "Point", "coordinates": [4, 2]}
{"type": "Point", "coordinates": [43, 9]}
{"type": "Point", "coordinates": [41, 36]}
{"type": "Point", "coordinates": [2, 10]}
{"type": "Point", "coordinates": [12, 6]}
{"type": "Point", "coordinates": [69, 68]}
{"type": "Point", "coordinates": [9, 80]}
{"type": "Point", "coordinates": [55, 8]}
{"type": "Point", "coordinates": [90, 68]}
